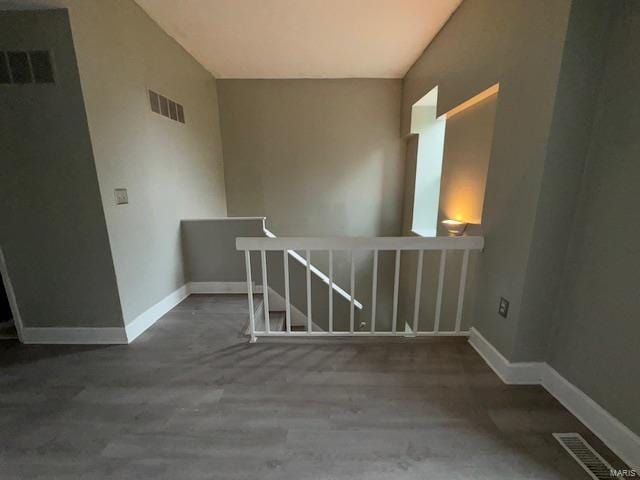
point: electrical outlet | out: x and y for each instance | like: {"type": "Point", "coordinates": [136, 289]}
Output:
{"type": "Point", "coordinates": [121, 196]}
{"type": "Point", "coordinates": [503, 308]}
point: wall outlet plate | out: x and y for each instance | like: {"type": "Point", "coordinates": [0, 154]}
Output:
{"type": "Point", "coordinates": [121, 196]}
{"type": "Point", "coordinates": [503, 308]}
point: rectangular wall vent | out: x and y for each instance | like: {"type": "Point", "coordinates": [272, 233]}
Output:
{"type": "Point", "coordinates": [20, 68]}
{"type": "Point", "coordinates": [5, 76]}
{"type": "Point", "coordinates": [165, 107]}
{"type": "Point", "coordinates": [41, 66]}
{"type": "Point", "coordinates": [583, 453]}
{"type": "Point", "coordinates": [154, 99]}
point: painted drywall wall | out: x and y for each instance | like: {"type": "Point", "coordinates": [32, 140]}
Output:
{"type": "Point", "coordinates": [518, 44]}
{"type": "Point", "coordinates": [53, 235]}
{"type": "Point", "coordinates": [317, 158]}
{"type": "Point", "coordinates": [569, 138]}
{"type": "Point", "coordinates": [467, 150]}
{"type": "Point", "coordinates": [428, 170]}
{"type": "Point", "coordinates": [171, 171]}
{"type": "Point", "coordinates": [594, 342]}
{"type": "Point", "coordinates": [210, 253]}
{"type": "Point", "coordinates": [411, 157]}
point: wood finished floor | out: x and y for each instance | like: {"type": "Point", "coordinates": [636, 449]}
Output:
{"type": "Point", "coordinates": [191, 399]}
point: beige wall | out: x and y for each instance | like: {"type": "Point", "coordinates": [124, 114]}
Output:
{"type": "Point", "coordinates": [210, 249]}
{"type": "Point", "coordinates": [467, 150]}
{"type": "Point", "coordinates": [560, 211]}
{"type": "Point", "coordinates": [595, 327]}
{"type": "Point", "coordinates": [317, 158]}
{"type": "Point", "coordinates": [428, 168]}
{"type": "Point", "coordinates": [569, 138]}
{"type": "Point", "coordinates": [518, 44]}
{"type": "Point", "coordinates": [172, 171]}
{"type": "Point", "coordinates": [53, 234]}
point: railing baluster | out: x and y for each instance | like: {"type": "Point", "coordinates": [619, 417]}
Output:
{"type": "Point", "coordinates": [416, 305]}
{"type": "Point", "coordinates": [374, 291]}
{"type": "Point", "coordinates": [396, 285]}
{"type": "Point", "coordinates": [463, 282]}
{"type": "Point", "coordinates": [287, 300]}
{"type": "Point", "coordinates": [252, 326]}
{"type": "Point", "coordinates": [399, 325]}
{"type": "Point", "coordinates": [330, 291]}
{"type": "Point", "coordinates": [352, 284]}
{"type": "Point", "coordinates": [309, 291]}
{"type": "Point", "coordinates": [443, 264]}
{"type": "Point", "coordinates": [265, 291]}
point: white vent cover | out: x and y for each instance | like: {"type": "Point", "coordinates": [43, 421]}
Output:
{"type": "Point", "coordinates": [596, 466]}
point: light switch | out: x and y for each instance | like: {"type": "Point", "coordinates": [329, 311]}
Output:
{"type": "Point", "coordinates": [121, 196]}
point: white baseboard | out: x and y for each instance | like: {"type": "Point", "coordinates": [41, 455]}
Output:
{"type": "Point", "coordinates": [521, 373]}
{"type": "Point", "coordinates": [620, 439]}
{"type": "Point", "coordinates": [74, 336]}
{"type": "Point", "coordinates": [221, 287]}
{"type": "Point", "coordinates": [108, 335]}
{"type": "Point", "coordinates": [150, 316]}
{"type": "Point", "coordinates": [128, 333]}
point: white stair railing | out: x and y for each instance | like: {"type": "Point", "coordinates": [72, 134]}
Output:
{"type": "Point", "coordinates": [315, 271]}
{"type": "Point", "coordinates": [376, 245]}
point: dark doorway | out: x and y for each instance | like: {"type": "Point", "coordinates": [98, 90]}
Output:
{"type": "Point", "coordinates": [5, 308]}
{"type": "Point", "coordinates": [7, 326]}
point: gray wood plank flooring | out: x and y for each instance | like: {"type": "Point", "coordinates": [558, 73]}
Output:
{"type": "Point", "coordinates": [191, 399]}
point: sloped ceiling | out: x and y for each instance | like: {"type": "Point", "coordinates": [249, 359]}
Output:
{"type": "Point", "coordinates": [303, 38]}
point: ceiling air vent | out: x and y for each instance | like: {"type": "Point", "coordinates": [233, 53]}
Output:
{"type": "Point", "coordinates": [165, 107]}
{"type": "Point", "coordinates": [19, 68]}
{"type": "Point", "coordinates": [583, 453]}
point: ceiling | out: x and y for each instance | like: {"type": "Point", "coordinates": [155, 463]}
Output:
{"type": "Point", "coordinates": [303, 38]}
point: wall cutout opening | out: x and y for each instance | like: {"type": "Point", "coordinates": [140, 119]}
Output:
{"type": "Point", "coordinates": [430, 131]}
{"type": "Point", "coordinates": [452, 160]}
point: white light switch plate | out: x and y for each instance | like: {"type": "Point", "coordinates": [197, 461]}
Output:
{"type": "Point", "coordinates": [121, 196]}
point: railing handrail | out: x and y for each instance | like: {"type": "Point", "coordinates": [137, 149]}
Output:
{"type": "Point", "coordinates": [376, 244]}
{"type": "Point", "coordinates": [360, 243]}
